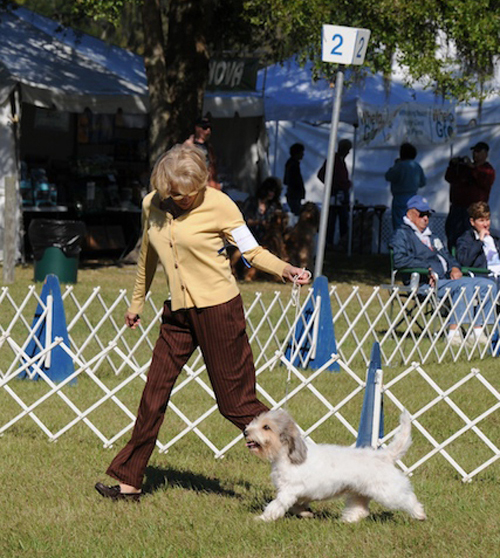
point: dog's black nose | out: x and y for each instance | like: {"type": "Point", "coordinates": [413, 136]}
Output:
{"type": "Point", "coordinates": [245, 433]}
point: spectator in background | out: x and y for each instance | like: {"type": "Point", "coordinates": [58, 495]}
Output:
{"type": "Point", "coordinates": [470, 182]}
{"type": "Point", "coordinates": [406, 177]}
{"type": "Point", "coordinates": [414, 245]}
{"type": "Point", "coordinates": [259, 210]}
{"type": "Point", "coordinates": [339, 199]}
{"type": "Point", "coordinates": [295, 192]}
{"type": "Point", "coordinates": [478, 246]}
{"type": "Point", "coordinates": [201, 139]}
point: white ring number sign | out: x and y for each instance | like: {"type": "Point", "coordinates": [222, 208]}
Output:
{"type": "Point", "coordinates": [344, 45]}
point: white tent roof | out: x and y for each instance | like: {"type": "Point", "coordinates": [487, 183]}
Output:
{"type": "Point", "coordinates": [290, 94]}
{"type": "Point", "coordinates": [72, 71]}
{"type": "Point", "coordinates": [66, 70]}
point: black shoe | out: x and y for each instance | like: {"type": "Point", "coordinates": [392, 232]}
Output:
{"type": "Point", "coordinates": [113, 492]}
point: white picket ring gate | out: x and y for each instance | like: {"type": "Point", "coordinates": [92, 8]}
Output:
{"type": "Point", "coordinates": [110, 365]}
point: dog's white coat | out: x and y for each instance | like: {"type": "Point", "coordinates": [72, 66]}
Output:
{"type": "Point", "coordinates": [303, 472]}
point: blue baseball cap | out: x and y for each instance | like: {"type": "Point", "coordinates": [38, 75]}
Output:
{"type": "Point", "coordinates": [419, 203]}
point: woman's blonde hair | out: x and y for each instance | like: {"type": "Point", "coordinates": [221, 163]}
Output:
{"type": "Point", "coordinates": [182, 169]}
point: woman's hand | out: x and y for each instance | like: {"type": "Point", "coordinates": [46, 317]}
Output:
{"type": "Point", "coordinates": [483, 233]}
{"type": "Point", "coordinates": [298, 274]}
{"type": "Point", "coordinates": [132, 320]}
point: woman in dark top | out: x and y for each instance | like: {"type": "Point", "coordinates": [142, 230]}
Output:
{"type": "Point", "coordinates": [479, 247]}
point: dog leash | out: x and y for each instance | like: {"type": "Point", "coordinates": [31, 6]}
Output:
{"type": "Point", "coordinates": [295, 301]}
{"type": "Point", "coordinates": [296, 288]}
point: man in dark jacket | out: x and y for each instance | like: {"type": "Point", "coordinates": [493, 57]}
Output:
{"type": "Point", "coordinates": [479, 247]}
{"type": "Point", "coordinates": [339, 194]}
{"type": "Point", "coordinates": [414, 245]}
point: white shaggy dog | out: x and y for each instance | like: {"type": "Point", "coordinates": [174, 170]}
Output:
{"type": "Point", "coordinates": [303, 472]}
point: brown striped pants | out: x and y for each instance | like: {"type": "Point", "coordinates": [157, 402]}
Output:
{"type": "Point", "coordinates": [220, 332]}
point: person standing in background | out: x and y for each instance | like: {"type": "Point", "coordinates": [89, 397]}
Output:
{"type": "Point", "coordinates": [470, 182]}
{"type": "Point", "coordinates": [295, 192]}
{"type": "Point", "coordinates": [201, 139]}
{"type": "Point", "coordinates": [339, 198]}
{"type": "Point", "coordinates": [406, 177]}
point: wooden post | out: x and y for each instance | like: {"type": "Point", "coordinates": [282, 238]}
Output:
{"type": "Point", "coordinates": [9, 232]}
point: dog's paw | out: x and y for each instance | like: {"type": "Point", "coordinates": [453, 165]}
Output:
{"type": "Point", "coordinates": [419, 513]}
{"type": "Point", "coordinates": [301, 511]}
{"type": "Point", "coordinates": [354, 515]}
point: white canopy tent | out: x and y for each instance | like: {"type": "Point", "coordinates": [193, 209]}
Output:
{"type": "Point", "coordinates": [42, 65]}
{"type": "Point", "coordinates": [63, 71]}
{"type": "Point", "coordinates": [291, 94]}
{"type": "Point", "coordinates": [299, 110]}
{"type": "Point", "coordinates": [67, 71]}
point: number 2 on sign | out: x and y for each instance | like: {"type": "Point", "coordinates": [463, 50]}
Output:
{"type": "Point", "coordinates": [361, 44]}
{"type": "Point", "coordinates": [337, 45]}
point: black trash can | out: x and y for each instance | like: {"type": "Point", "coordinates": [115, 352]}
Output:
{"type": "Point", "coordinates": [56, 248]}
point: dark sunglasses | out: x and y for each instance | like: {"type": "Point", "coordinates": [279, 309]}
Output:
{"type": "Point", "coordinates": [424, 213]}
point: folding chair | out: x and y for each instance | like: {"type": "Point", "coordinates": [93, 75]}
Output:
{"type": "Point", "coordinates": [411, 286]}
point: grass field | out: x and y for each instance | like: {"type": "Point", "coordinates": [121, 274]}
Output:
{"type": "Point", "coordinates": [197, 506]}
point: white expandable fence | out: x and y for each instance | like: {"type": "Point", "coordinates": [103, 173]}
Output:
{"type": "Point", "coordinates": [109, 366]}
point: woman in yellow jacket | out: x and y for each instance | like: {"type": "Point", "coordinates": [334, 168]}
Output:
{"type": "Point", "coordinates": [185, 228]}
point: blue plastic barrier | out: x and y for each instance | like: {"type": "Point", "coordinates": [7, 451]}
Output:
{"type": "Point", "coordinates": [61, 364]}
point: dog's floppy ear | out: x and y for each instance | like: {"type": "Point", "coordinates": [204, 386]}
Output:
{"type": "Point", "coordinates": [297, 449]}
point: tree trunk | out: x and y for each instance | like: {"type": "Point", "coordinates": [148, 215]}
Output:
{"type": "Point", "coordinates": [154, 62]}
{"type": "Point", "coordinates": [176, 69]}
{"type": "Point", "coordinates": [187, 69]}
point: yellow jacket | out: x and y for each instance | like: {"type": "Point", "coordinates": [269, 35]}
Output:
{"type": "Point", "coordinates": [188, 247]}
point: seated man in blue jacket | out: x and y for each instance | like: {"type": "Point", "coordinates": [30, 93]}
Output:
{"type": "Point", "coordinates": [414, 245]}
{"type": "Point", "coordinates": [479, 246]}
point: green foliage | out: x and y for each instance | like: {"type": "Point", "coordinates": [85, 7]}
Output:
{"type": "Point", "coordinates": [448, 44]}
{"type": "Point", "coordinates": [101, 9]}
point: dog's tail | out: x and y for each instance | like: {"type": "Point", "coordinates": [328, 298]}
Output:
{"type": "Point", "coordinates": [402, 440]}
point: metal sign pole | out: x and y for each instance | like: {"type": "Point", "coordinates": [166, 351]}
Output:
{"type": "Point", "coordinates": [340, 45]}
{"type": "Point", "coordinates": [320, 252]}
{"type": "Point", "coordinates": [352, 196]}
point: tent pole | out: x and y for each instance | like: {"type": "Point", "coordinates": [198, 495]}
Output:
{"type": "Point", "coordinates": [276, 131]}
{"type": "Point", "coordinates": [351, 193]}
{"type": "Point", "coordinates": [320, 253]}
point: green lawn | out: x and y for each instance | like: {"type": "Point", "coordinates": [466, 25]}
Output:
{"type": "Point", "coordinates": [198, 506]}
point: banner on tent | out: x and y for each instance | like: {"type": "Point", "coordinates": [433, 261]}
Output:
{"type": "Point", "coordinates": [382, 126]}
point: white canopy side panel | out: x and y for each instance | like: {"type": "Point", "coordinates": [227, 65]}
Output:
{"type": "Point", "coordinates": [370, 185]}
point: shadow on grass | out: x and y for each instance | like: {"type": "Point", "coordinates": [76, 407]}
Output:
{"type": "Point", "coordinates": [157, 478]}
{"type": "Point", "coordinates": [327, 515]}
{"type": "Point", "coordinates": [258, 505]}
